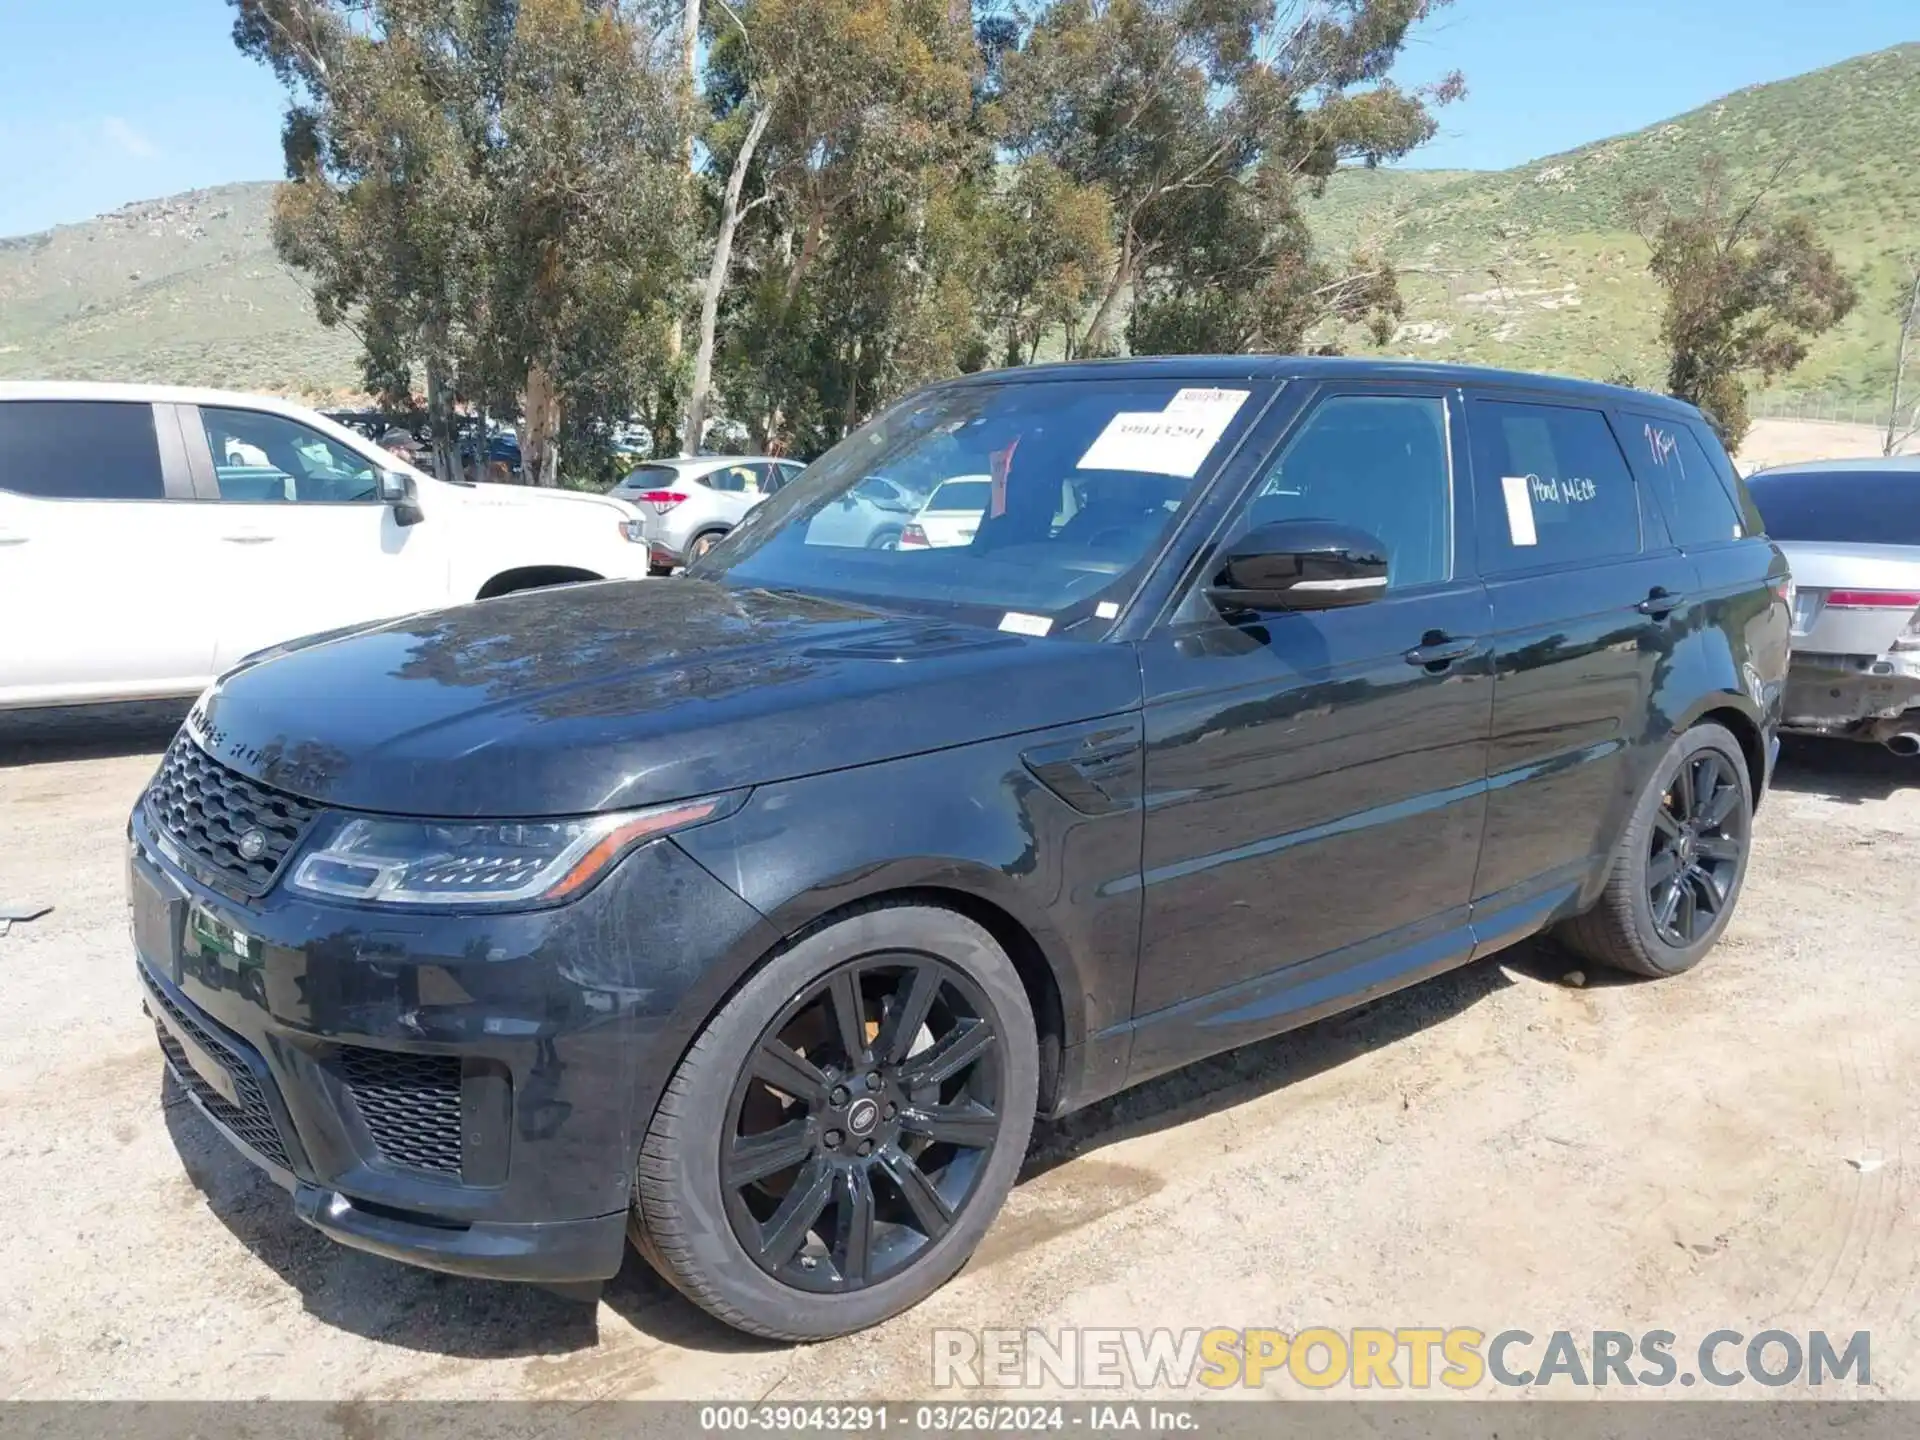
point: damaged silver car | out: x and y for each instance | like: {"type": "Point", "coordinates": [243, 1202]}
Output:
{"type": "Point", "coordinates": [1851, 531]}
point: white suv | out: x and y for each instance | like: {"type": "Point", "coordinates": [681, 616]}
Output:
{"type": "Point", "coordinates": [150, 537]}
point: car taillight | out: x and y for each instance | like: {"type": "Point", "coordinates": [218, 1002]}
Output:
{"type": "Point", "coordinates": [1873, 599]}
{"type": "Point", "coordinates": [913, 535]}
{"type": "Point", "coordinates": [662, 500]}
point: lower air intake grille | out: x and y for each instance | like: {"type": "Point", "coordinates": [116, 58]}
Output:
{"type": "Point", "coordinates": [411, 1105]}
{"type": "Point", "coordinates": [251, 1121]}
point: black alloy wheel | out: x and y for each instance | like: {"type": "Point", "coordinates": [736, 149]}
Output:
{"type": "Point", "coordinates": [1679, 864]}
{"type": "Point", "coordinates": [861, 1120]}
{"type": "Point", "coordinates": [1699, 835]}
{"type": "Point", "coordinates": [843, 1130]}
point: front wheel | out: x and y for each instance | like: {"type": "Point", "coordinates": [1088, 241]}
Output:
{"type": "Point", "coordinates": [842, 1133]}
{"type": "Point", "coordinates": [1678, 870]}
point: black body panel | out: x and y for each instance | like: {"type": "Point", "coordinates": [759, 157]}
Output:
{"type": "Point", "coordinates": [1190, 828]}
{"type": "Point", "coordinates": [618, 695]}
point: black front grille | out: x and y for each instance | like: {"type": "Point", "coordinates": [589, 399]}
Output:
{"type": "Point", "coordinates": [250, 1121]}
{"type": "Point", "coordinates": [410, 1103]}
{"type": "Point", "coordinates": [210, 810]}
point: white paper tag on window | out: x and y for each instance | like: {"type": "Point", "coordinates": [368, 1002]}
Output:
{"type": "Point", "coordinates": [1173, 441]}
{"type": "Point", "coordinates": [1519, 509]}
{"type": "Point", "coordinates": [1207, 403]}
{"type": "Point", "coordinates": [1106, 610]}
{"type": "Point", "coordinates": [1023, 624]}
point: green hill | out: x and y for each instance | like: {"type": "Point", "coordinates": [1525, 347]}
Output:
{"type": "Point", "coordinates": [1533, 267]}
{"type": "Point", "coordinates": [1537, 267]}
{"type": "Point", "coordinates": [185, 290]}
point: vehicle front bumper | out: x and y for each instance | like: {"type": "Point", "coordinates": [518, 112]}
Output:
{"type": "Point", "coordinates": [1849, 694]}
{"type": "Point", "coordinates": [460, 1092]}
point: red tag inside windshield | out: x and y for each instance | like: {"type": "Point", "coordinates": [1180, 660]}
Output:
{"type": "Point", "coordinates": [999, 462]}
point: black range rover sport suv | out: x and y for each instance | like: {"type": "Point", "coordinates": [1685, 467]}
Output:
{"type": "Point", "coordinates": [752, 916]}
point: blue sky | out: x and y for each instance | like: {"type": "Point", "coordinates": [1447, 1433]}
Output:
{"type": "Point", "coordinates": [107, 101]}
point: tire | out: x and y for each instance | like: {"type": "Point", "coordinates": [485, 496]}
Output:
{"type": "Point", "coordinates": [1632, 927]}
{"type": "Point", "coordinates": [695, 1226]}
{"type": "Point", "coordinates": [702, 543]}
{"type": "Point", "coordinates": [884, 539]}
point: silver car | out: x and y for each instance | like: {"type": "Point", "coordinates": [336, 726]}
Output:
{"type": "Point", "coordinates": [687, 505]}
{"type": "Point", "coordinates": [1851, 531]}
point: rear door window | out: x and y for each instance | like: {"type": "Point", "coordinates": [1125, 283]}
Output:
{"type": "Point", "coordinates": [1552, 487]}
{"type": "Point", "coordinates": [1699, 506]}
{"type": "Point", "coordinates": [1868, 507]}
{"type": "Point", "coordinates": [80, 450]}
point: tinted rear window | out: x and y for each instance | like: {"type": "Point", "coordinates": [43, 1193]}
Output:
{"type": "Point", "coordinates": [649, 477]}
{"type": "Point", "coordinates": [962, 495]}
{"type": "Point", "coordinates": [79, 450]}
{"type": "Point", "coordinates": [1553, 487]}
{"type": "Point", "coordinates": [1868, 507]}
{"type": "Point", "coordinates": [1699, 498]}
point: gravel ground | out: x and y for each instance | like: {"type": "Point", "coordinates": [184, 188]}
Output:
{"type": "Point", "coordinates": [1497, 1148]}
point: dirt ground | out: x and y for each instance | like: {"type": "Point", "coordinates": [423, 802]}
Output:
{"type": "Point", "coordinates": [1739, 1148]}
{"type": "Point", "coordinates": [1788, 442]}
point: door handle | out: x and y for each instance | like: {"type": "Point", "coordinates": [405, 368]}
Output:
{"type": "Point", "coordinates": [247, 537]}
{"type": "Point", "coordinates": [13, 539]}
{"type": "Point", "coordinates": [1660, 601]}
{"type": "Point", "coordinates": [1437, 651]}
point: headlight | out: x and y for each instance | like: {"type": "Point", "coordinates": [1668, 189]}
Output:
{"type": "Point", "coordinates": [488, 862]}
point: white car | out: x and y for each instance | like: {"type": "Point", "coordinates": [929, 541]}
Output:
{"type": "Point", "coordinates": [952, 513]}
{"type": "Point", "coordinates": [150, 537]}
{"type": "Point", "coordinates": [686, 505]}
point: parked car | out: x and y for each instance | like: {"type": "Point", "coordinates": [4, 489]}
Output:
{"type": "Point", "coordinates": [952, 512]}
{"type": "Point", "coordinates": [871, 515]}
{"type": "Point", "coordinates": [158, 535]}
{"type": "Point", "coordinates": [687, 505]}
{"type": "Point", "coordinates": [754, 915]}
{"type": "Point", "coordinates": [1851, 531]}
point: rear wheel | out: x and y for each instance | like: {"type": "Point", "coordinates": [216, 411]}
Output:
{"type": "Point", "coordinates": [703, 543]}
{"type": "Point", "coordinates": [843, 1132]}
{"type": "Point", "coordinates": [887, 539]}
{"type": "Point", "coordinates": [1678, 869]}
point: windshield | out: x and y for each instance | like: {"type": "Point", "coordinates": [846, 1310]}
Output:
{"type": "Point", "coordinates": [1878, 507]}
{"type": "Point", "coordinates": [1075, 483]}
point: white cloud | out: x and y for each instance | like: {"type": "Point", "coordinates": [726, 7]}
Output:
{"type": "Point", "coordinates": [118, 132]}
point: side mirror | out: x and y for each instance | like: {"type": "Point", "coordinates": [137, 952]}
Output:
{"type": "Point", "coordinates": [1300, 565]}
{"type": "Point", "coordinates": [397, 490]}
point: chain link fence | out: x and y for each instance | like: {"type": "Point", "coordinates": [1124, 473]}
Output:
{"type": "Point", "coordinates": [1833, 409]}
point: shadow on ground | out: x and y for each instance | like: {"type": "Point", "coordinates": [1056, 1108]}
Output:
{"type": "Point", "coordinates": [419, 1310]}
{"type": "Point", "coordinates": [1844, 770]}
{"type": "Point", "coordinates": [94, 732]}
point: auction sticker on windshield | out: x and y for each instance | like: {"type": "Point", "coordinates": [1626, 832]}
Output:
{"type": "Point", "coordinates": [1172, 441]}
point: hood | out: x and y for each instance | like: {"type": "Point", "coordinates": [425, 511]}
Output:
{"type": "Point", "coordinates": [519, 497]}
{"type": "Point", "coordinates": [610, 696]}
